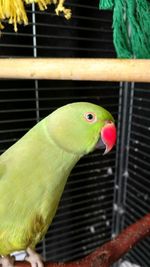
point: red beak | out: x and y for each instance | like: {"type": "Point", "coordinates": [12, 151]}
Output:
{"type": "Point", "coordinates": [108, 136]}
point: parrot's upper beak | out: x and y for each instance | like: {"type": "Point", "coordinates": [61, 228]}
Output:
{"type": "Point", "coordinates": [108, 137]}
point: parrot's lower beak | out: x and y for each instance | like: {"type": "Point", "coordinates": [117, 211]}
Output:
{"type": "Point", "coordinates": [108, 137]}
{"type": "Point", "coordinates": [100, 144]}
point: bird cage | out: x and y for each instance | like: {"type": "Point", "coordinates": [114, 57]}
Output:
{"type": "Point", "coordinates": [104, 194]}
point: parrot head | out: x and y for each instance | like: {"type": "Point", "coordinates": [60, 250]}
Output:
{"type": "Point", "coordinates": [81, 127]}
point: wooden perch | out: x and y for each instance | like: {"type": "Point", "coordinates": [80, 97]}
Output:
{"type": "Point", "coordinates": [110, 252]}
{"type": "Point", "coordinates": [132, 70]}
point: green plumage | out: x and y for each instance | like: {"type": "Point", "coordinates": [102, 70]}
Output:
{"type": "Point", "coordinates": [34, 171]}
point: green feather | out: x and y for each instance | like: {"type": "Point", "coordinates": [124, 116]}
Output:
{"type": "Point", "coordinates": [34, 171]}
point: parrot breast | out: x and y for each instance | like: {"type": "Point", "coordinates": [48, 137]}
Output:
{"type": "Point", "coordinates": [38, 174]}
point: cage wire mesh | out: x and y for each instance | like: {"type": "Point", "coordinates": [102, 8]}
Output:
{"type": "Point", "coordinates": [103, 194]}
{"type": "Point", "coordinates": [138, 184]}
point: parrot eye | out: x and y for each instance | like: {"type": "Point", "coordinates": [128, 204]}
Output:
{"type": "Point", "coordinates": [90, 117]}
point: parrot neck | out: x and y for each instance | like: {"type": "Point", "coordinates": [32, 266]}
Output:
{"type": "Point", "coordinates": [56, 168]}
{"type": "Point", "coordinates": [62, 157]}
{"type": "Point", "coordinates": [62, 160]}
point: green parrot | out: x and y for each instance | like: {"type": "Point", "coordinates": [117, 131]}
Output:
{"type": "Point", "coordinates": [34, 171]}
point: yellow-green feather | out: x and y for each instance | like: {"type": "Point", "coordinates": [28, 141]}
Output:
{"type": "Point", "coordinates": [33, 175]}
{"type": "Point", "coordinates": [33, 172]}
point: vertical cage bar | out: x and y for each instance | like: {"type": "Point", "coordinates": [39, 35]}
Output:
{"type": "Point", "coordinates": [35, 55]}
{"type": "Point", "coordinates": [37, 94]}
{"type": "Point", "coordinates": [124, 128]}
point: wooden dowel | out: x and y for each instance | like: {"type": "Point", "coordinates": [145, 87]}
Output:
{"type": "Point", "coordinates": [132, 70]}
{"type": "Point", "coordinates": [111, 251]}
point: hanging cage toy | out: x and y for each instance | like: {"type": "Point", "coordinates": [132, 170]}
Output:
{"type": "Point", "coordinates": [131, 21]}
{"type": "Point", "coordinates": [14, 11]}
{"type": "Point", "coordinates": [131, 24]}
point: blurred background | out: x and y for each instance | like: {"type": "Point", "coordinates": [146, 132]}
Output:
{"type": "Point", "coordinates": [104, 194]}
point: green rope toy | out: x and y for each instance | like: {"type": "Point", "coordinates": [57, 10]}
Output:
{"type": "Point", "coordinates": [131, 27]}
